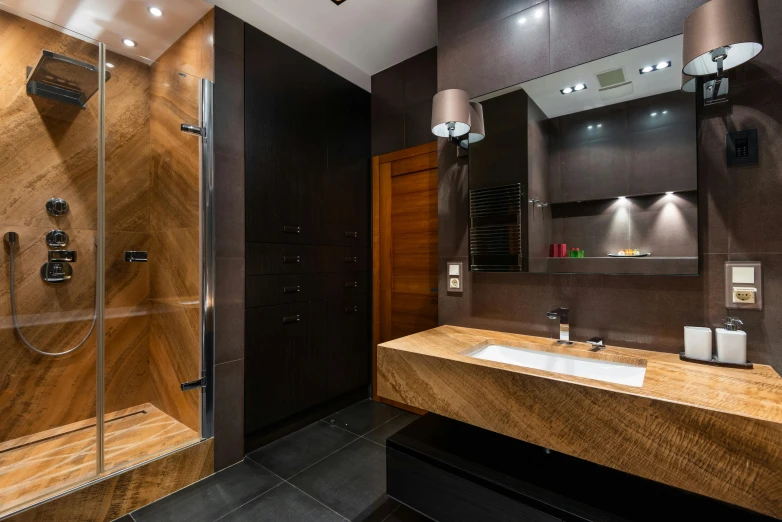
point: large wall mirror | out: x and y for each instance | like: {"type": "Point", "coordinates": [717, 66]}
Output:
{"type": "Point", "coordinates": [589, 170]}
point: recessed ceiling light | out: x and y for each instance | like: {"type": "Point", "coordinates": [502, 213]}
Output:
{"type": "Point", "coordinates": [109, 65]}
{"type": "Point", "coordinates": [129, 42]}
{"type": "Point", "coordinates": [622, 197]}
{"type": "Point", "coordinates": [668, 193]}
{"type": "Point", "coordinates": [522, 20]}
{"type": "Point", "coordinates": [662, 65]}
{"type": "Point", "coordinates": [665, 112]}
{"type": "Point", "coordinates": [539, 13]}
{"type": "Point", "coordinates": [567, 90]}
{"type": "Point", "coordinates": [589, 127]}
{"type": "Point", "coordinates": [599, 125]}
{"type": "Point", "coordinates": [647, 69]}
{"type": "Point", "coordinates": [654, 114]}
{"type": "Point", "coordinates": [155, 11]}
{"type": "Point", "coordinates": [652, 68]}
{"type": "Point", "coordinates": [580, 87]}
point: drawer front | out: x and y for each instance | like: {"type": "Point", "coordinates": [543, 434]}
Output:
{"type": "Point", "coordinates": [275, 258]}
{"type": "Point", "coordinates": [349, 344]}
{"type": "Point", "coordinates": [348, 284]}
{"type": "Point", "coordinates": [272, 289]}
{"type": "Point", "coordinates": [348, 259]}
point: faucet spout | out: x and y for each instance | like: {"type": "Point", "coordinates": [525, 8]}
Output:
{"type": "Point", "coordinates": [564, 326]}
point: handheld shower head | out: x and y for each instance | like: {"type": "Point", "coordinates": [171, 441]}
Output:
{"type": "Point", "coordinates": [11, 238]}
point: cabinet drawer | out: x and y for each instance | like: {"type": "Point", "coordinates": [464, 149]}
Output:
{"type": "Point", "coordinates": [349, 345]}
{"type": "Point", "coordinates": [274, 258]}
{"type": "Point", "coordinates": [348, 259]}
{"type": "Point", "coordinates": [272, 289]}
{"type": "Point", "coordinates": [347, 284]}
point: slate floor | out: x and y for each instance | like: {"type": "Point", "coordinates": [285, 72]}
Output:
{"type": "Point", "coordinates": [332, 470]}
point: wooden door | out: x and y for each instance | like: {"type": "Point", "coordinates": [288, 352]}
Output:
{"type": "Point", "coordinates": [404, 203]}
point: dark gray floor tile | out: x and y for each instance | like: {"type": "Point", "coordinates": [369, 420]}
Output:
{"type": "Point", "coordinates": [363, 416]}
{"type": "Point", "coordinates": [283, 503]}
{"type": "Point", "coordinates": [382, 432]}
{"type": "Point", "coordinates": [352, 482]}
{"type": "Point", "coordinates": [126, 518]}
{"type": "Point", "coordinates": [213, 497]}
{"type": "Point", "coordinates": [301, 449]}
{"type": "Point", "coordinates": [405, 514]}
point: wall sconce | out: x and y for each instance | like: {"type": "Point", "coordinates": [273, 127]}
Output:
{"type": "Point", "coordinates": [720, 35]}
{"type": "Point", "coordinates": [689, 84]}
{"type": "Point", "coordinates": [454, 117]}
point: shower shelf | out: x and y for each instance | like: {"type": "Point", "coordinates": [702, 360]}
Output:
{"type": "Point", "coordinates": [64, 79]}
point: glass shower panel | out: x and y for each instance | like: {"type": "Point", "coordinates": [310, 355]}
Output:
{"type": "Point", "coordinates": [48, 177]}
{"type": "Point", "coordinates": [152, 264]}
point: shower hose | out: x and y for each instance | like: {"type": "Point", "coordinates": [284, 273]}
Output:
{"type": "Point", "coordinates": [11, 239]}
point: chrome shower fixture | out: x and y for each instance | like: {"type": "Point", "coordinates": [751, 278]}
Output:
{"type": "Point", "coordinates": [63, 79]}
{"type": "Point", "coordinates": [57, 207]}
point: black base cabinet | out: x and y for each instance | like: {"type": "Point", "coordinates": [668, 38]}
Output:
{"type": "Point", "coordinates": [451, 471]}
{"type": "Point", "coordinates": [307, 260]}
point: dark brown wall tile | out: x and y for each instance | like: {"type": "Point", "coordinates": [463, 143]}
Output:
{"type": "Point", "coordinates": [388, 110]}
{"type": "Point", "coordinates": [456, 17]}
{"type": "Point", "coordinates": [420, 74]}
{"type": "Point", "coordinates": [229, 309]}
{"type": "Point", "coordinates": [229, 206]}
{"type": "Point", "coordinates": [229, 103]}
{"type": "Point", "coordinates": [768, 64]}
{"type": "Point", "coordinates": [585, 30]}
{"type": "Point", "coordinates": [229, 32]}
{"type": "Point", "coordinates": [496, 55]}
{"type": "Point", "coordinates": [418, 128]}
{"type": "Point", "coordinates": [229, 414]}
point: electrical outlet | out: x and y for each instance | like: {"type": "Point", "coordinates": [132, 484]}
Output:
{"type": "Point", "coordinates": [744, 295]}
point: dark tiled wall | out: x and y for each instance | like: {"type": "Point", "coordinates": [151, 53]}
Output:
{"type": "Point", "coordinates": [402, 103]}
{"type": "Point", "coordinates": [229, 234]}
{"type": "Point", "coordinates": [739, 209]}
{"type": "Point", "coordinates": [486, 46]}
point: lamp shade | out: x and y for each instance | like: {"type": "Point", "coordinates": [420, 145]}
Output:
{"type": "Point", "coordinates": [451, 113]}
{"type": "Point", "coordinates": [731, 24]}
{"type": "Point", "coordinates": [689, 83]}
{"type": "Point", "coordinates": [477, 128]}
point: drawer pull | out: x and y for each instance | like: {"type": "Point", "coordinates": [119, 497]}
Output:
{"type": "Point", "coordinates": [351, 309]}
{"type": "Point", "coordinates": [354, 284]}
{"type": "Point", "coordinates": [291, 260]}
{"type": "Point", "coordinates": [291, 289]}
{"type": "Point", "coordinates": [351, 234]}
{"type": "Point", "coordinates": [291, 229]}
{"type": "Point", "coordinates": [351, 259]}
{"type": "Point", "coordinates": [289, 319]}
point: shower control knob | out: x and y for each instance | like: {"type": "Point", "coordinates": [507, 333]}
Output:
{"type": "Point", "coordinates": [56, 273]}
{"type": "Point", "coordinates": [57, 239]}
{"type": "Point", "coordinates": [57, 207]}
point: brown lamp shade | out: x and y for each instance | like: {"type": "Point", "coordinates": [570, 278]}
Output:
{"type": "Point", "coordinates": [689, 83]}
{"type": "Point", "coordinates": [451, 113]}
{"type": "Point", "coordinates": [721, 23]}
{"type": "Point", "coordinates": [477, 129]}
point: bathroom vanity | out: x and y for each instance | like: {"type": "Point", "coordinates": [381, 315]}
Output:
{"type": "Point", "coordinates": [712, 431]}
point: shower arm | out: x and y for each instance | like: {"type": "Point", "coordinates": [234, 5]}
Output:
{"type": "Point", "coordinates": [11, 238]}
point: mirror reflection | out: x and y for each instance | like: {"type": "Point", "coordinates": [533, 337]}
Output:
{"type": "Point", "coordinates": [589, 170]}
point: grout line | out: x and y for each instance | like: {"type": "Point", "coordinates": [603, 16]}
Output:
{"type": "Point", "coordinates": [381, 425]}
{"type": "Point", "coordinates": [372, 441]}
{"type": "Point", "coordinates": [392, 512]}
{"type": "Point", "coordinates": [131, 516]}
{"type": "Point", "coordinates": [316, 500]}
{"type": "Point", "coordinates": [229, 362]}
{"type": "Point", "coordinates": [254, 498]}
{"type": "Point", "coordinates": [324, 458]}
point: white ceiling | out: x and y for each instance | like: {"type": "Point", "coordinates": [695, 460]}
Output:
{"type": "Point", "coordinates": [110, 21]}
{"type": "Point", "coordinates": [355, 39]}
{"type": "Point", "coordinates": [545, 93]}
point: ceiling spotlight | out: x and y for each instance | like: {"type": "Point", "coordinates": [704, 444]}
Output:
{"type": "Point", "coordinates": [109, 65]}
{"type": "Point", "coordinates": [539, 13]}
{"type": "Point", "coordinates": [662, 65]}
{"type": "Point", "coordinates": [654, 114]}
{"type": "Point", "coordinates": [622, 197]}
{"type": "Point", "coordinates": [567, 90]}
{"type": "Point", "coordinates": [580, 87]}
{"type": "Point", "coordinates": [651, 68]}
{"type": "Point", "coordinates": [129, 42]}
{"type": "Point", "coordinates": [522, 20]}
{"type": "Point", "coordinates": [599, 125]}
{"type": "Point", "coordinates": [665, 112]}
{"type": "Point", "coordinates": [589, 127]}
{"type": "Point", "coordinates": [155, 11]}
{"type": "Point", "coordinates": [647, 69]}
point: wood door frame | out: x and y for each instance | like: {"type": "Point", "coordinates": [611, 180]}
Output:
{"type": "Point", "coordinates": [381, 248]}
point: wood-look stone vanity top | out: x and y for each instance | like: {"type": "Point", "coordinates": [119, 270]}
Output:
{"type": "Point", "coordinates": [710, 430]}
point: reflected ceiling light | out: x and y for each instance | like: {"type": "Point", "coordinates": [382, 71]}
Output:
{"type": "Point", "coordinates": [651, 68]}
{"type": "Point", "coordinates": [599, 125]}
{"type": "Point", "coordinates": [654, 114]}
{"type": "Point", "coordinates": [574, 88]}
{"type": "Point", "coordinates": [589, 127]}
{"type": "Point", "coordinates": [580, 87]}
{"type": "Point", "coordinates": [539, 13]}
{"type": "Point", "coordinates": [129, 42]}
{"type": "Point", "coordinates": [522, 20]}
{"type": "Point", "coordinates": [720, 35]}
{"type": "Point", "coordinates": [567, 90]}
{"type": "Point", "coordinates": [155, 11]}
{"type": "Point", "coordinates": [622, 197]}
{"type": "Point", "coordinates": [668, 193]}
{"type": "Point", "coordinates": [665, 112]}
{"type": "Point", "coordinates": [109, 65]}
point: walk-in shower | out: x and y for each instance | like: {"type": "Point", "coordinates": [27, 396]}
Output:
{"type": "Point", "coordinates": [106, 274]}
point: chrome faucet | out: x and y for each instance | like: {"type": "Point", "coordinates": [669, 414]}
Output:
{"type": "Point", "coordinates": [564, 326]}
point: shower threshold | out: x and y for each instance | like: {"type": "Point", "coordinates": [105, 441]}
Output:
{"type": "Point", "coordinates": [41, 465]}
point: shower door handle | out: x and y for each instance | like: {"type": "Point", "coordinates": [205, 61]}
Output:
{"type": "Point", "coordinates": [191, 385]}
{"type": "Point", "coordinates": [192, 129]}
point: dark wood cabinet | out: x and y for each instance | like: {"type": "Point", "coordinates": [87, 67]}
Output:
{"type": "Point", "coordinates": [307, 176]}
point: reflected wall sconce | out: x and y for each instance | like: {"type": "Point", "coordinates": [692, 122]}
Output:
{"type": "Point", "coordinates": [457, 119]}
{"type": "Point", "coordinates": [721, 35]}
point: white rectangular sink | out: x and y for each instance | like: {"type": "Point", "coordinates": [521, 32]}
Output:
{"type": "Point", "coordinates": [588, 368]}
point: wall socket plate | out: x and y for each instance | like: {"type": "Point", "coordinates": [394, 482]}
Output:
{"type": "Point", "coordinates": [454, 277]}
{"type": "Point", "coordinates": [743, 285]}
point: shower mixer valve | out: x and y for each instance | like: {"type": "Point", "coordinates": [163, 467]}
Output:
{"type": "Point", "coordinates": [57, 207]}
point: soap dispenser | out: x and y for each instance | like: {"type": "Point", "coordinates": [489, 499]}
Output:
{"type": "Point", "coordinates": [732, 342]}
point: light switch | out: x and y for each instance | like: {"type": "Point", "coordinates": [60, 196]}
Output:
{"type": "Point", "coordinates": [744, 275]}
{"type": "Point", "coordinates": [455, 277]}
{"type": "Point", "coordinates": [453, 269]}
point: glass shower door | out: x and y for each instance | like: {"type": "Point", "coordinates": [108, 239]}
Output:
{"type": "Point", "coordinates": [49, 123]}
